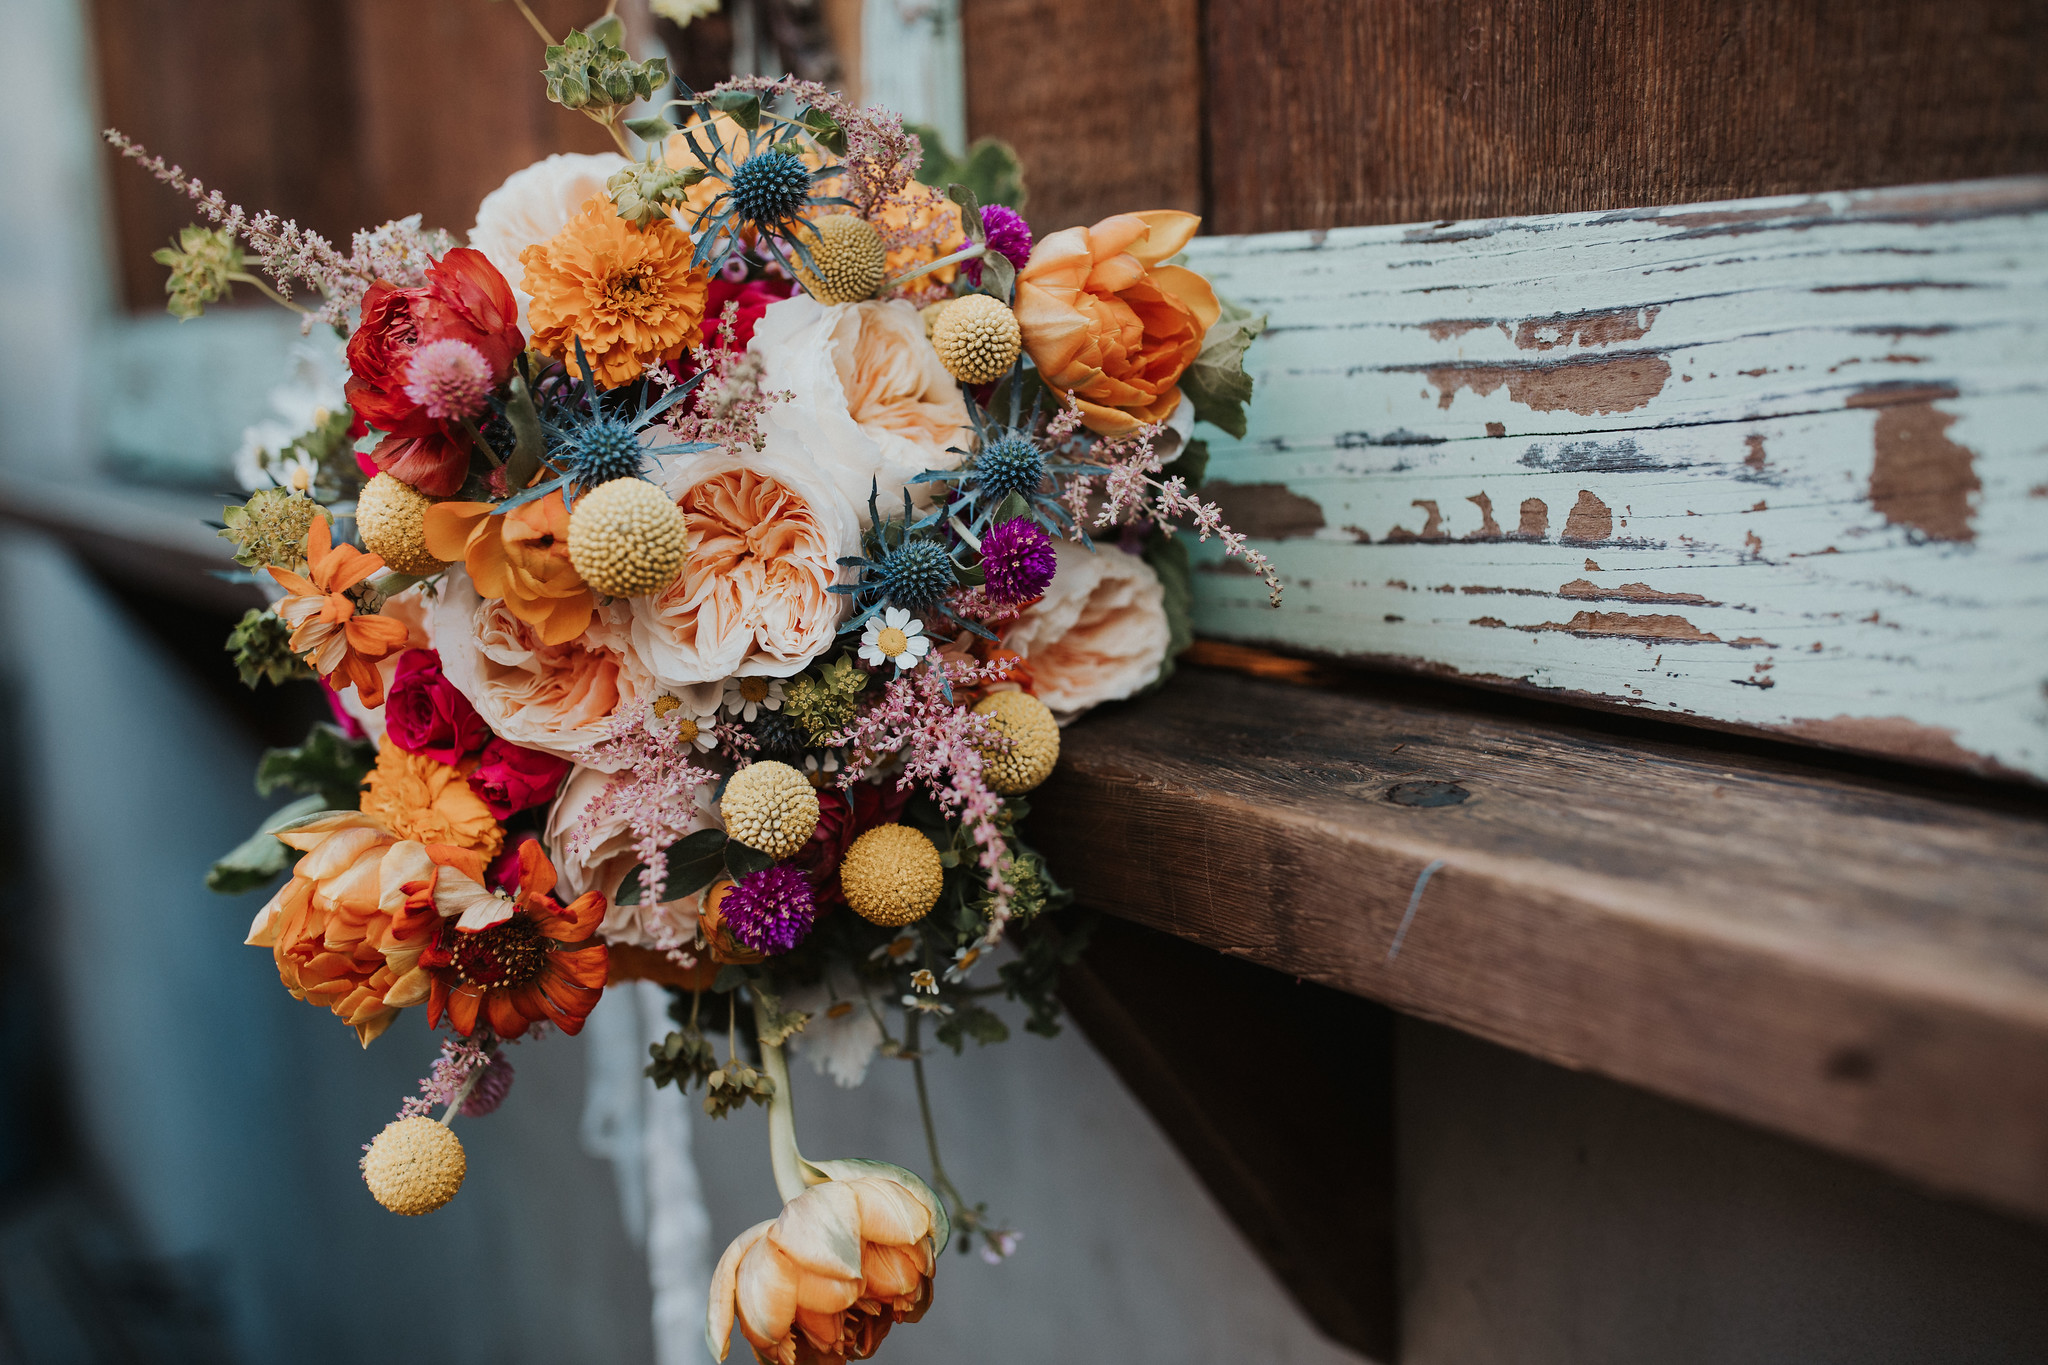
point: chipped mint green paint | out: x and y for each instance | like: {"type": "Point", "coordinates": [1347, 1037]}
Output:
{"type": "Point", "coordinates": [1791, 456]}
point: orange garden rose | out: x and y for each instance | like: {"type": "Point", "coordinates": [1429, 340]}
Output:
{"type": "Point", "coordinates": [341, 644]}
{"type": "Point", "coordinates": [521, 556]}
{"type": "Point", "coordinates": [419, 798]}
{"type": "Point", "coordinates": [1107, 323]}
{"type": "Point", "coordinates": [630, 295]}
{"type": "Point", "coordinates": [823, 1284]}
{"type": "Point", "coordinates": [348, 929]}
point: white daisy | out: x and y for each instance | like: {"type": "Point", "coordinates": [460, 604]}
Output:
{"type": "Point", "coordinates": [820, 771]}
{"type": "Point", "coordinates": [894, 637]}
{"type": "Point", "coordinates": [922, 1006]}
{"type": "Point", "coordinates": [690, 729]}
{"type": "Point", "coordinates": [749, 697]}
{"type": "Point", "coordinates": [896, 949]}
{"type": "Point", "coordinates": [923, 980]}
{"type": "Point", "coordinates": [963, 962]}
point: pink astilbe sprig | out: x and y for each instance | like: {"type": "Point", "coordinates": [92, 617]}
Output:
{"type": "Point", "coordinates": [460, 1059]}
{"type": "Point", "coordinates": [727, 408]}
{"type": "Point", "coordinates": [940, 740]}
{"type": "Point", "coordinates": [653, 790]}
{"type": "Point", "coordinates": [295, 257]}
{"type": "Point", "coordinates": [1128, 490]}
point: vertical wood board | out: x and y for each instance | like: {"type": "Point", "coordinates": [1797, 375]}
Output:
{"type": "Point", "coordinates": [1779, 464]}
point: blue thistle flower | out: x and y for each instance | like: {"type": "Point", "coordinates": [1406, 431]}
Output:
{"type": "Point", "coordinates": [917, 574]}
{"type": "Point", "coordinates": [771, 188]}
{"type": "Point", "coordinates": [1012, 463]}
{"type": "Point", "coordinates": [600, 450]}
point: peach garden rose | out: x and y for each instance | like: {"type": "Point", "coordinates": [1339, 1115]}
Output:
{"type": "Point", "coordinates": [1099, 634]}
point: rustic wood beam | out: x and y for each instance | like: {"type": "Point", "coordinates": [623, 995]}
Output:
{"type": "Point", "coordinates": [1831, 955]}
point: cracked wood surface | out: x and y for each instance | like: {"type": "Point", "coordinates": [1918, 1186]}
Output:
{"type": "Point", "coordinates": [1778, 464]}
{"type": "Point", "coordinates": [1839, 958]}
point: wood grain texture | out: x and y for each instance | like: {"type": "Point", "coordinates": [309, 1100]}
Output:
{"type": "Point", "coordinates": [1330, 112]}
{"type": "Point", "coordinates": [1778, 464]}
{"type": "Point", "coordinates": [1842, 960]}
{"type": "Point", "coordinates": [1287, 1116]}
{"type": "Point", "coordinates": [270, 123]}
{"type": "Point", "coordinates": [1103, 101]}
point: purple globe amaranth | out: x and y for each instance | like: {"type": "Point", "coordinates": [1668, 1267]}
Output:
{"type": "Point", "coordinates": [1009, 236]}
{"type": "Point", "coordinates": [1017, 561]}
{"type": "Point", "coordinates": [771, 911]}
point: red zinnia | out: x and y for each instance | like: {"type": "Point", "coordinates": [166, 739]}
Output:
{"type": "Point", "coordinates": [464, 299]}
{"type": "Point", "coordinates": [521, 965]}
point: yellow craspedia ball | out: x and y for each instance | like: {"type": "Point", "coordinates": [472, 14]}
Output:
{"type": "Point", "coordinates": [892, 875]}
{"type": "Point", "coordinates": [848, 254]}
{"type": "Point", "coordinates": [391, 517]}
{"type": "Point", "coordinates": [414, 1166]}
{"type": "Point", "coordinates": [626, 538]}
{"type": "Point", "coordinates": [1034, 741]}
{"type": "Point", "coordinates": [977, 339]}
{"type": "Point", "coordinates": [770, 806]}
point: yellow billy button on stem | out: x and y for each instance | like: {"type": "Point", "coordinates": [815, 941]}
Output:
{"type": "Point", "coordinates": [892, 875]}
{"type": "Point", "coordinates": [626, 538]}
{"type": "Point", "coordinates": [391, 517]}
{"type": "Point", "coordinates": [849, 257]}
{"type": "Point", "coordinates": [417, 1164]}
{"type": "Point", "coordinates": [1034, 738]}
{"type": "Point", "coordinates": [770, 806]}
{"type": "Point", "coordinates": [977, 339]}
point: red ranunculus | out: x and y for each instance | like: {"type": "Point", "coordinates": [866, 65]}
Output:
{"type": "Point", "coordinates": [424, 714]}
{"type": "Point", "coordinates": [466, 299]}
{"type": "Point", "coordinates": [753, 297]}
{"type": "Point", "coordinates": [844, 816]}
{"type": "Point", "coordinates": [511, 779]}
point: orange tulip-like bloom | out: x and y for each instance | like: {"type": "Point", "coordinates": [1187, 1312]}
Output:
{"type": "Point", "coordinates": [822, 1284]}
{"type": "Point", "coordinates": [514, 961]}
{"type": "Point", "coordinates": [339, 643]}
{"type": "Point", "coordinates": [348, 929]}
{"type": "Point", "coordinates": [417, 797]}
{"type": "Point", "coordinates": [630, 295]}
{"type": "Point", "coordinates": [521, 557]}
{"type": "Point", "coordinates": [1107, 323]}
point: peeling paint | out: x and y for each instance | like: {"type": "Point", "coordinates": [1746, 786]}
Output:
{"type": "Point", "coordinates": [1601, 327]}
{"type": "Point", "coordinates": [1432, 529]}
{"type": "Point", "coordinates": [1450, 329]}
{"type": "Point", "coordinates": [1265, 511]}
{"type": "Point", "coordinates": [1586, 385]}
{"type": "Point", "coordinates": [1899, 735]}
{"type": "Point", "coordinates": [1673, 629]}
{"type": "Point", "coordinates": [1589, 522]}
{"type": "Point", "coordinates": [1535, 523]}
{"type": "Point", "coordinates": [1490, 530]}
{"type": "Point", "coordinates": [1919, 477]}
{"type": "Point", "coordinates": [1585, 590]}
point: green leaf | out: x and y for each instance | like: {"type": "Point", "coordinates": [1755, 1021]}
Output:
{"type": "Point", "coordinates": [744, 107]}
{"type": "Point", "coordinates": [730, 978]}
{"type": "Point", "coordinates": [1168, 556]}
{"type": "Point", "coordinates": [329, 765]}
{"type": "Point", "coordinates": [1216, 382]}
{"type": "Point", "coordinates": [529, 442]}
{"type": "Point", "coordinates": [694, 862]}
{"type": "Point", "coordinates": [629, 886]}
{"type": "Point", "coordinates": [998, 277]}
{"type": "Point", "coordinates": [1011, 508]}
{"type": "Point", "coordinates": [826, 129]}
{"type": "Point", "coordinates": [990, 169]}
{"type": "Point", "coordinates": [741, 861]}
{"type": "Point", "coordinates": [652, 128]}
{"type": "Point", "coordinates": [258, 859]}
{"type": "Point", "coordinates": [970, 212]}
{"type": "Point", "coordinates": [609, 30]}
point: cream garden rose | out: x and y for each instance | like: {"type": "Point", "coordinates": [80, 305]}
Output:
{"type": "Point", "coordinates": [532, 206]}
{"type": "Point", "coordinates": [555, 698]}
{"type": "Point", "coordinates": [1099, 634]}
{"type": "Point", "coordinates": [871, 404]}
{"type": "Point", "coordinates": [603, 863]}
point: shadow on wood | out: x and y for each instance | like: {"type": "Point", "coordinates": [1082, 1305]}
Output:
{"type": "Point", "coordinates": [1285, 1112]}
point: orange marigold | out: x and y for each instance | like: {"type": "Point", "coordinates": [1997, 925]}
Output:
{"type": "Point", "coordinates": [416, 797]}
{"type": "Point", "coordinates": [630, 295]}
{"type": "Point", "coordinates": [340, 644]}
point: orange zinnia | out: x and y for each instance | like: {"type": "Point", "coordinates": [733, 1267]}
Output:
{"type": "Point", "coordinates": [1106, 321]}
{"type": "Point", "coordinates": [348, 929]}
{"type": "Point", "coordinates": [629, 295]}
{"type": "Point", "coordinates": [512, 962]}
{"type": "Point", "coordinates": [522, 557]}
{"type": "Point", "coordinates": [340, 644]}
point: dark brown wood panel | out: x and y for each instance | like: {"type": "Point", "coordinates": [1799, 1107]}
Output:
{"type": "Point", "coordinates": [268, 120]}
{"type": "Point", "coordinates": [344, 115]}
{"type": "Point", "coordinates": [1283, 1104]}
{"type": "Point", "coordinates": [1101, 98]}
{"type": "Point", "coordinates": [1853, 962]}
{"type": "Point", "coordinates": [1330, 112]}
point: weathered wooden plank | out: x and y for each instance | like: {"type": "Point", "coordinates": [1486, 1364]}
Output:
{"type": "Point", "coordinates": [1851, 962]}
{"type": "Point", "coordinates": [1328, 112]}
{"type": "Point", "coordinates": [1780, 464]}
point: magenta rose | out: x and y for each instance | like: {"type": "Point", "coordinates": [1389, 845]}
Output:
{"type": "Point", "coordinates": [511, 779]}
{"type": "Point", "coordinates": [424, 714]}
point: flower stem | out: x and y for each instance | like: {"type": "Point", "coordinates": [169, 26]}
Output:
{"type": "Point", "coordinates": [242, 277]}
{"type": "Point", "coordinates": [940, 1180]}
{"type": "Point", "coordinates": [538, 26]}
{"type": "Point", "coordinates": [462, 1093]}
{"type": "Point", "coordinates": [788, 1162]}
{"type": "Point", "coordinates": [968, 253]}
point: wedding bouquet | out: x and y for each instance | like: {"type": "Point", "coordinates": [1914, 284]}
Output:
{"type": "Point", "coordinates": [701, 564]}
